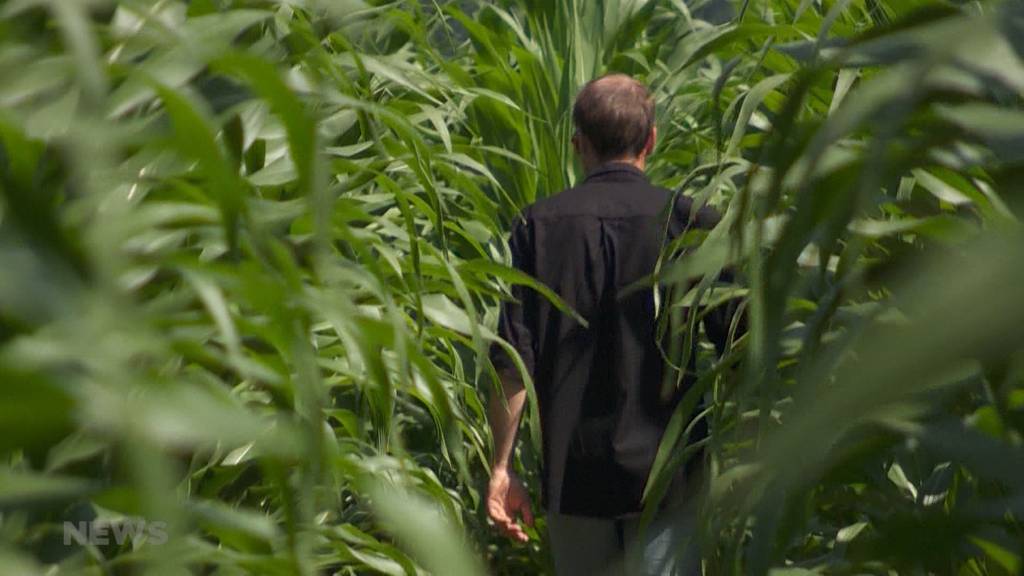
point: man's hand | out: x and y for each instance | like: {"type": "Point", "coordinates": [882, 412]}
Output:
{"type": "Point", "coordinates": [506, 499]}
{"type": "Point", "coordinates": [506, 496]}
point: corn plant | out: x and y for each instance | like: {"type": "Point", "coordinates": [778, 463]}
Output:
{"type": "Point", "coordinates": [252, 252]}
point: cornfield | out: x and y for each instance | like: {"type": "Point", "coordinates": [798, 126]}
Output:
{"type": "Point", "coordinates": [252, 252]}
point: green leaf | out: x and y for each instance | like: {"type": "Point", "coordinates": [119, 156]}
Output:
{"type": "Point", "coordinates": [424, 530]}
{"type": "Point", "coordinates": [513, 276]}
{"type": "Point", "coordinates": [195, 139]}
{"type": "Point", "coordinates": [23, 489]}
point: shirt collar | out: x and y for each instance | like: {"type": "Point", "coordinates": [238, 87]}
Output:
{"type": "Point", "coordinates": [620, 169]}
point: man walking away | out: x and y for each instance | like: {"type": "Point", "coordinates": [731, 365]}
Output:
{"type": "Point", "coordinates": [599, 387]}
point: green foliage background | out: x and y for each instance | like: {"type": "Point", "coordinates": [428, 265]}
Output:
{"type": "Point", "coordinates": [251, 253]}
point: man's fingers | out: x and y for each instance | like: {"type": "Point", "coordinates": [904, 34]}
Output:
{"type": "Point", "coordinates": [512, 530]}
{"type": "Point", "coordinates": [505, 523]}
{"type": "Point", "coordinates": [504, 504]}
{"type": "Point", "coordinates": [516, 533]}
{"type": "Point", "coordinates": [519, 534]}
{"type": "Point", "coordinates": [522, 510]}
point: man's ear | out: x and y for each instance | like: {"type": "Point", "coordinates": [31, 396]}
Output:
{"type": "Point", "coordinates": [651, 139]}
{"type": "Point", "coordinates": [577, 147]}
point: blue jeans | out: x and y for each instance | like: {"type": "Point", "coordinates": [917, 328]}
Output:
{"type": "Point", "coordinates": [584, 546]}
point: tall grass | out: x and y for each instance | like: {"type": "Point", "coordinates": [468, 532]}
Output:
{"type": "Point", "coordinates": [252, 252]}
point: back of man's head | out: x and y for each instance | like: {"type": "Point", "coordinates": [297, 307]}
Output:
{"type": "Point", "coordinates": [616, 115]}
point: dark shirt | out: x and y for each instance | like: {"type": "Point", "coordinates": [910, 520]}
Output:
{"type": "Point", "coordinates": [601, 411]}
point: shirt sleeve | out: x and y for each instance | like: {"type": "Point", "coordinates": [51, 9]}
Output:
{"type": "Point", "coordinates": [517, 317]}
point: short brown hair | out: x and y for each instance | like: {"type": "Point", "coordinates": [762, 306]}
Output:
{"type": "Point", "coordinates": [616, 114]}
